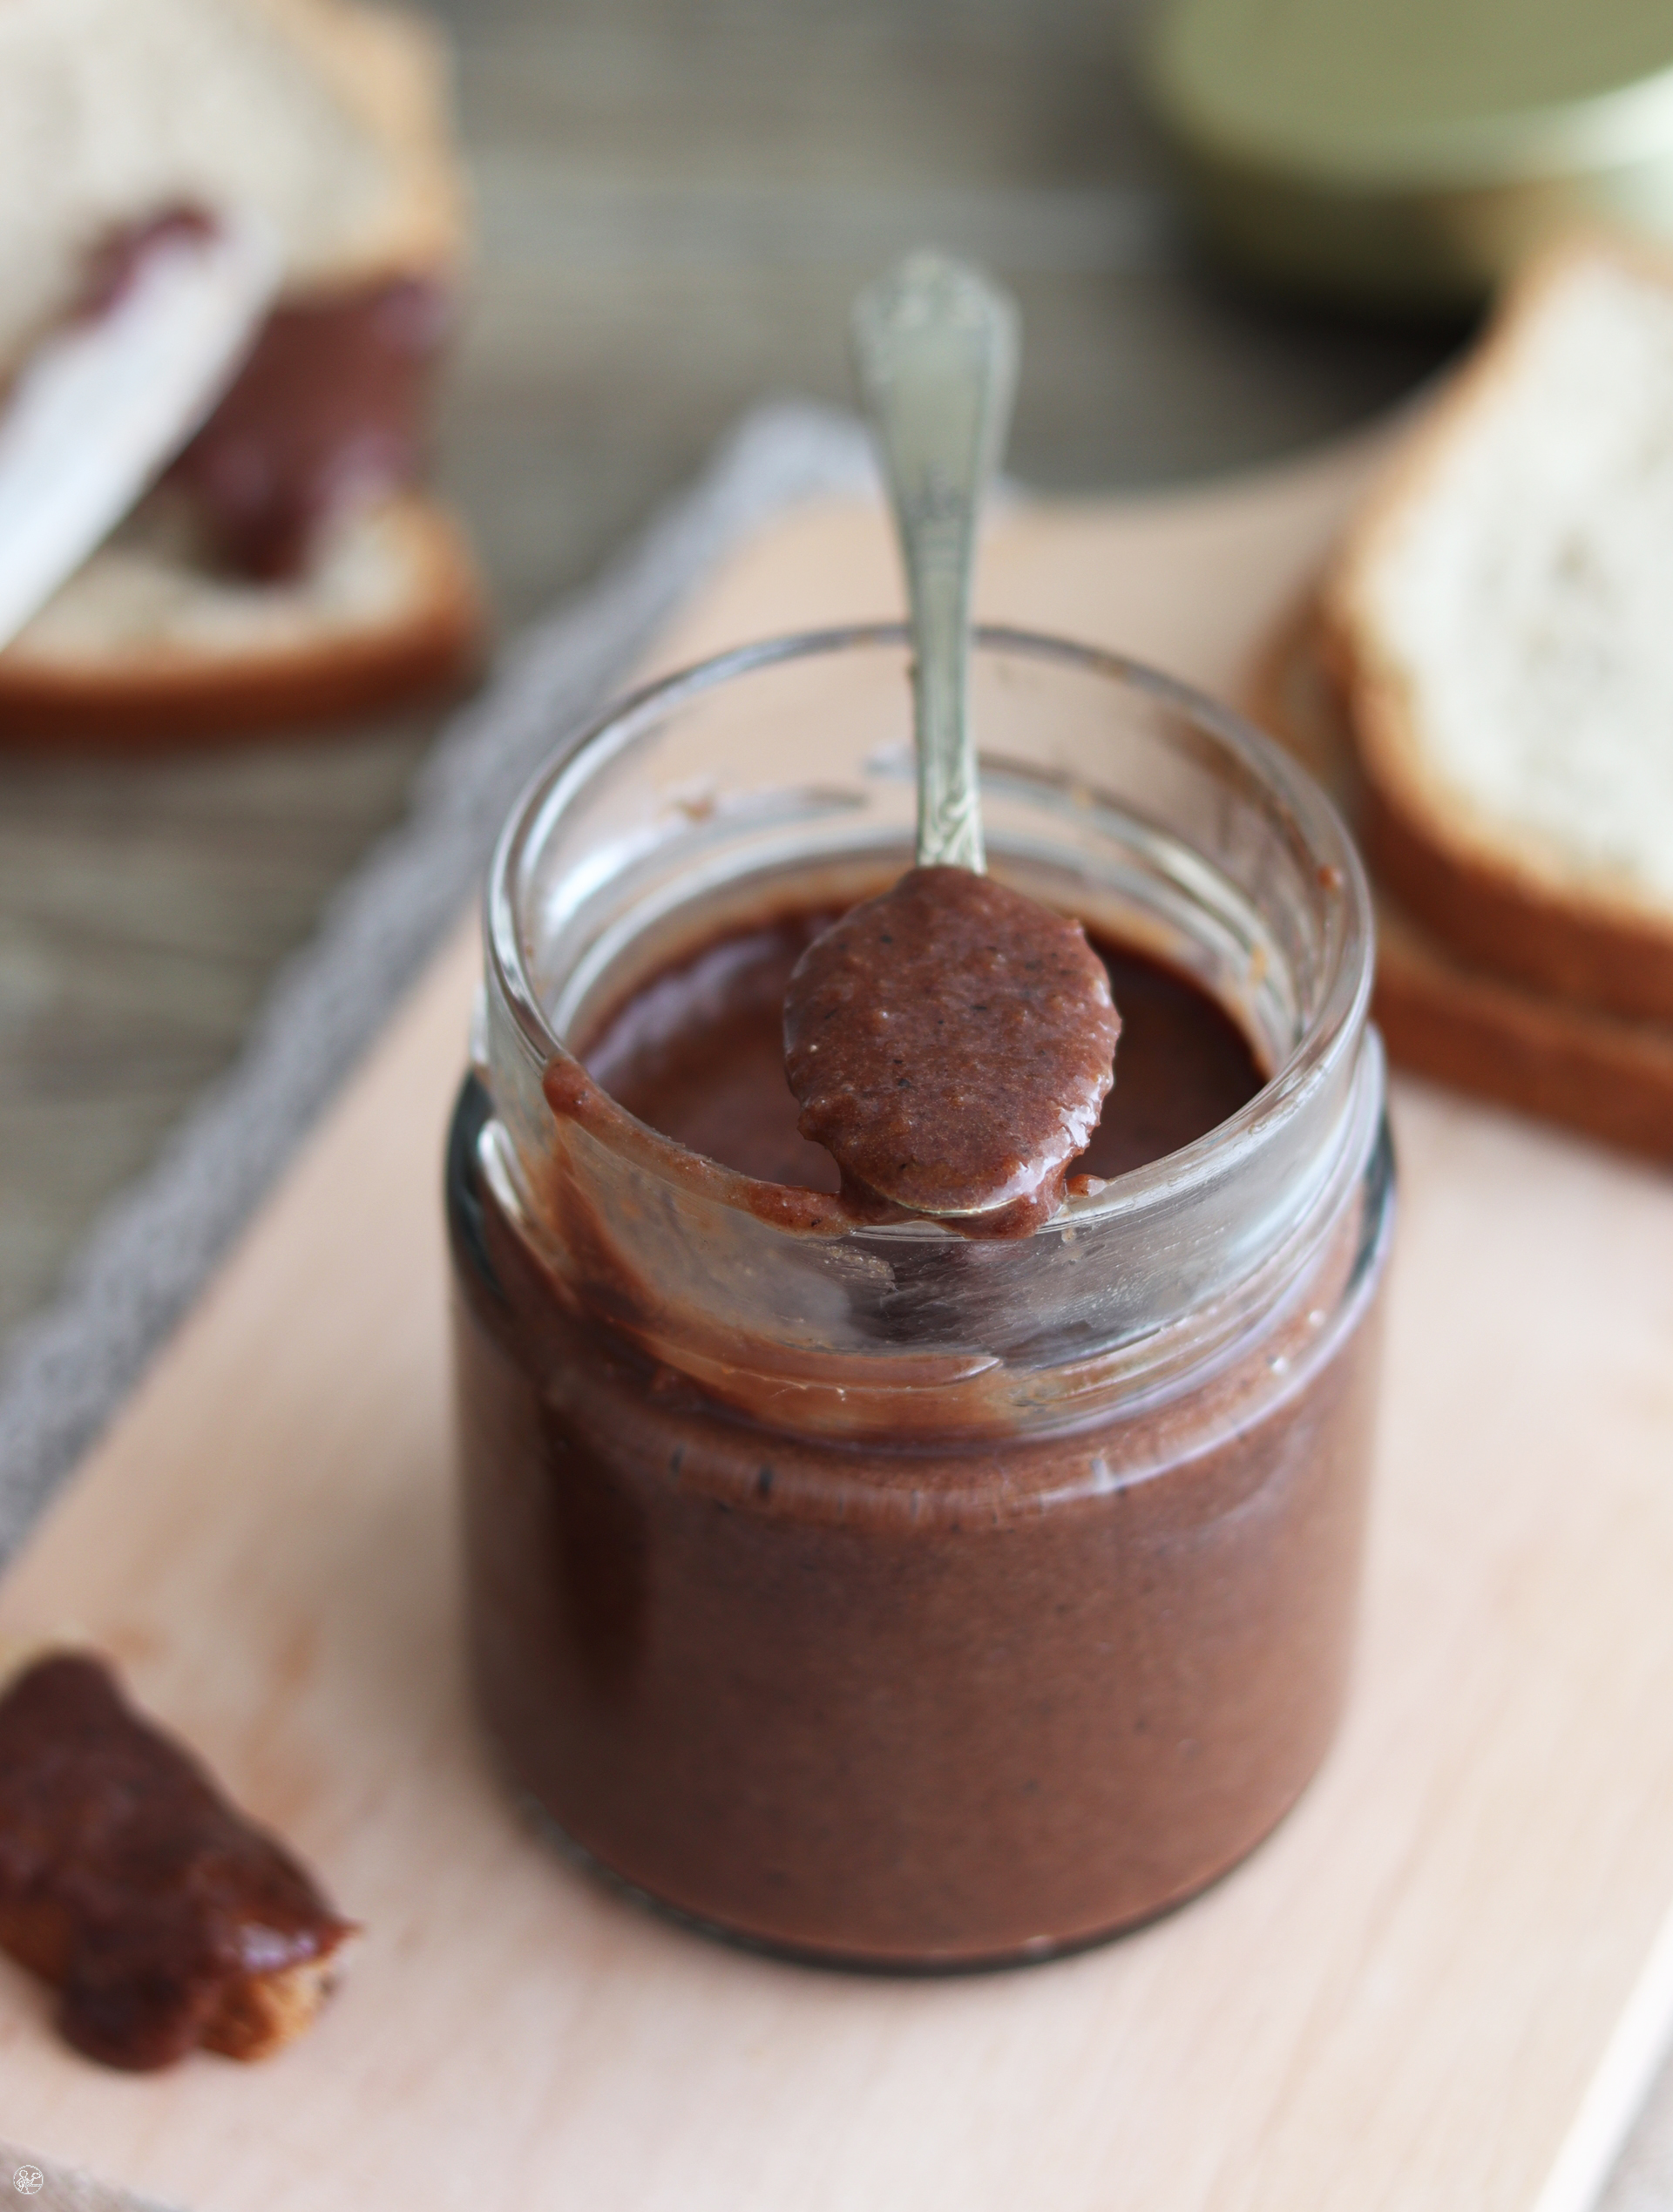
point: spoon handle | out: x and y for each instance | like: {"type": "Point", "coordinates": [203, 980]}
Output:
{"type": "Point", "coordinates": [936, 346]}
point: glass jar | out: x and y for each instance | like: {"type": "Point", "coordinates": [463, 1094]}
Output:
{"type": "Point", "coordinates": [858, 1589]}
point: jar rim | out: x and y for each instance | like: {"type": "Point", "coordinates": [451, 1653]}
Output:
{"type": "Point", "coordinates": [1331, 1030]}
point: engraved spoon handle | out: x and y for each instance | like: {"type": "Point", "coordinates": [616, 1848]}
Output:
{"type": "Point", "coordinates": [936, 346]}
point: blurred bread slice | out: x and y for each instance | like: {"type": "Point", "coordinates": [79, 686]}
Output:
{"type": "Point", "coordinates": [145, 645]}
{"type": "Point", "coordinates": [1500, 625]}
{"type": "Point", "coordinates": [328, 121]}
{"type": "Point", "coordinates": [1606, 1074]}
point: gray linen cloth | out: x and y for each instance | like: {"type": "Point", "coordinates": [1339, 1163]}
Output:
{"type": "Point", "coordinates": [66, 1370]}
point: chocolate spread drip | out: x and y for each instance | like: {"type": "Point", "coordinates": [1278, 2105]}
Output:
{"type": "Point", "coordinates": [951, 1043]}
{"type": "Point", "coordinates": [128, 1880]}
{"type": "Point", "coordinates": [330, 406]}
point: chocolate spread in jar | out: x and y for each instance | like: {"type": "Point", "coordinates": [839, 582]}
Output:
{"type": "Point", "coordinates": [901, 1697]}
{"type": "Point", "coordinates": [128, 1881]}
{"type": "Point", "coordinates": [951, 1043]}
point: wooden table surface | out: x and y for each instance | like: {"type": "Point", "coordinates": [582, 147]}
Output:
{"type": "Point", "coordinates": [675, 204]}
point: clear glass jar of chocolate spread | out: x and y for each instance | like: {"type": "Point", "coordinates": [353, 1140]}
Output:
{"type": "Point", "coordinates": [861, 1589]}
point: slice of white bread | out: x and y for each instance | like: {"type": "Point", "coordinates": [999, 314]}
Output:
{"type": "Point", "coordinates": [1605, 1074]}
{"type": "Point", "coordinates": [145, 645]}
{"type": "Point", "coordinates": [1500, 625]}
{"type": "Point", "coordinates": [328, 121]}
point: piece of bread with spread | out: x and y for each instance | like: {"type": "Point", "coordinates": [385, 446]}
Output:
{"type": "Point", "coordinates": [167, 1921]}
{"type": "Point", "coordinates": [1497, 624]}
{"type": "Point", "coordinates": [287, 568]}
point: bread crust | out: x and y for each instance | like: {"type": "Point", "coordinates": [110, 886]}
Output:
{"type": "Point", "coordinates": [1607, 1077]}
{"type": "Point", "coordinates": [159, 696]}
{"type": "Point", "coordinates": [262, 2014]}
{"type": "Point", "coordinates": [1491, 893]}
{"type": "Point", "coordinates": [1443, 1016]}
{"type": "Point", "coordinates": [258, 2014]}
{"type": "Point", "coordinates": [391, 69]}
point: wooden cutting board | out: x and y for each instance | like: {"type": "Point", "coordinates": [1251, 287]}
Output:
{"type": "Point", "coordinates": [1398, 2002]}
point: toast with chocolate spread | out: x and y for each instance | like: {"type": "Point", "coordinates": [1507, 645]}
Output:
{"type": "Point", "coordinates": [167, 1921]}
{"type": "Point", "coordinates": [287, 567]}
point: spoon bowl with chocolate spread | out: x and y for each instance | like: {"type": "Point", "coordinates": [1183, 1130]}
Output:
{"type": "Point", "coordinates": [950, 1042]}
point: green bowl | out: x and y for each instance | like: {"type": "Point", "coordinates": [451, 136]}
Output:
{"type": "Point", "coordinates": [1406, 154]}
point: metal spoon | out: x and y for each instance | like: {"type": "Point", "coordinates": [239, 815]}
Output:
{"type": "Point", "coordinates": [949, 1042]}
{"type": "Point", "coordinates": [936, 346]}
